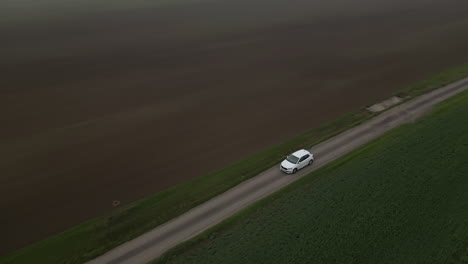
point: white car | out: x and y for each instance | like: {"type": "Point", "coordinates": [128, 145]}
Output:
{"type": "Point", "coordinates": [297, 161]}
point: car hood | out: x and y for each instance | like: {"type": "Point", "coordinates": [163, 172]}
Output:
{"type": "Point", "coordinates": [287, 164]}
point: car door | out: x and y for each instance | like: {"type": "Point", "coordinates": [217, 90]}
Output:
{"type": "Point", "coordinates": [303, 161]}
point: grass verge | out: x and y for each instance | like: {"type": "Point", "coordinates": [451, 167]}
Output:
{"type": "Point", "coordinates": [94, 237]}
{"type": "Point", "coordinates": [400, 199]}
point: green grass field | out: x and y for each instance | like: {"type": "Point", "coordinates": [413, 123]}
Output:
{"type": "Point", "coordinates": [401, 199]}
{"type": "Point", "coordinates": [93, 238]}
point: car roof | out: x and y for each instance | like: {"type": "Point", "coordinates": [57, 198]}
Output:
{"type": "Point", "coordinates": [300, 153]}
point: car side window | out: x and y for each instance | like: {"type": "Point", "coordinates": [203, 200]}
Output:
{"type": "Point", "coordinates": [304, 158]}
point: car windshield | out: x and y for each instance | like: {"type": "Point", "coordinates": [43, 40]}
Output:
{"type": "Point", "coordinates": [293, 159]}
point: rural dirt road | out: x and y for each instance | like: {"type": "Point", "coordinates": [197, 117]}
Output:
{"type": "Point", "coordinates": [154, 243]}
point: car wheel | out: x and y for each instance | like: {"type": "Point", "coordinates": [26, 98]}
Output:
{"type": "Point", "coordinates": [311, 161]}
{"type": "Point", "coordinates": [294, 171]}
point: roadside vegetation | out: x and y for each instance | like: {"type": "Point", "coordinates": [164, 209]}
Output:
{"type": "Point", "coordinates": [93, 238]}
{"type": "Point", "coordinates": [400, 199]}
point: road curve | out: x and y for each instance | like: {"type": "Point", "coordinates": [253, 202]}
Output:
{"type": "Point", "coordinates": [154, 243]}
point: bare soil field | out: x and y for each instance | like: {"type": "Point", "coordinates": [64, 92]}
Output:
{"type": "Point", "coordinates": [118, 104]}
